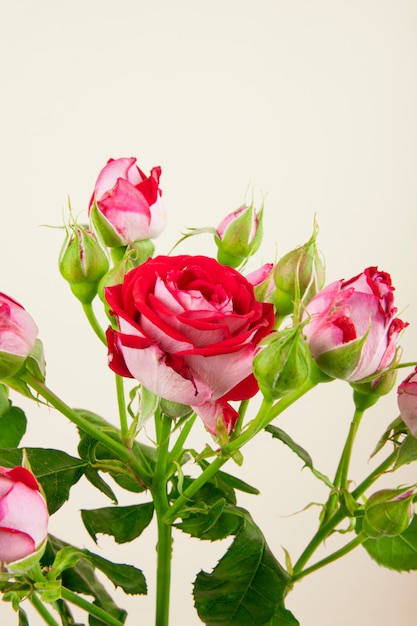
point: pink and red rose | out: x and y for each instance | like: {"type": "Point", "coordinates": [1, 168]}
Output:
{"type": "Point", "coordinates": [126, 205]}
{"type": "Point", "coordinates": [23, 515]}
{"type": "Point", "coordinates": [188, 329]}
{"type": "Point", "coordinates": [352, 326]}
{"type": "Point", "coordinates": [18, 334]}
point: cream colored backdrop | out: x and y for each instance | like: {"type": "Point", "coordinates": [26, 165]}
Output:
{"type": "Point", "coordinates": [312, 103]}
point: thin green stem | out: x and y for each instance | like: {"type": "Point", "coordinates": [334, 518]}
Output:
{"type": "Point", "coordinates": [120, 390]}
{"type": "Point", "coordinates": [160, 499]}
{"type": "Point", "coordinates": [43, 611]}
{"type": "Point", "coordinates": [91, 608]}
{"type": "Point", "coordinates": [330, 559]}
{"type": "Point", "coordinates": [342, 472]}
{"type": "Point", "coordinates": [178, 447]}
{"type": "Point", "coordinates": [328, 527]}
{"type": "Point", "coordinates": [94, 323]}
{"type": "Point", "coordinates": [115, 446]}
{"type": "Point", "coordinates": [267, 412]}
{"type": "Point", "coordinates": [374, 475]}
{"type": "Point", "coordinates": [187, 495]}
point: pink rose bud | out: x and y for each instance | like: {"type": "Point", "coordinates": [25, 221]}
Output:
{"type": "Point", "coordinates": [351, 326]}
{"type": "Point", "coordinates": [23, 518]}
{"type": "Point", "coordinates": [126, 205]}
{"type": "Point", "coordinates": [18, 334]}
{"type": "Point", "coordinates": [239, 235]}
{"type": "Point", "coordinates": [298, 276]}
{"type": "Point", "coordinates": [407, 402]}
{"type": "Point", "coordinates": [188, 331]}
{"type": "Point", "coordinates": [82, 262]}
{"type": "Point", "coordinates": [262, 281]}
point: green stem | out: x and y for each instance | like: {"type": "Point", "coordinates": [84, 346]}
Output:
{"type": "Point", "coordinates": [187, 495]}
{"type": "Point", "coordinates": [374, 475]}
{"type": "Point", "coordinates": [342, 472]}
{"type": "Point", "coordinates": [266, 414]}
{"type": "Point", "coordinates": [120, 390]}
{"type": "Point", "coordinates": [331, 558]}
{"type": "Point", "coordinates": [327, 528]}
{"type": "Point", "coordinates": [160, 499]}
{"type": "Point", "coordinates": [94, 323]}
{"type": "Point", "coordinates": [42, 610]}
{"type": "Point", "coordinates": [119, 449]}
{"type": "Point", "coordinates": [91, 608]}
{"type": "Point", "coordinates": [178, 447]}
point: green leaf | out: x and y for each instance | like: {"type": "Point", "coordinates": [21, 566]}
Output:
{"type": "Point", "coordinates": [283, 617]}
{"type": "Point", "coordinates": [391, 433]}
{"type": "Point", "coordinates": [247, 586]}
{"type": "Point", "coordinates": [124, 523]}
{"type": "Point", "coordinates": [232, 481]}
{"type": "Point", "coordinates": [129, 578]}
{"type": "Point", "coordinates": [55, 470]}
{"type": "Point", "coordinates": [96, 480]}
{"type": "Point", "coordinates": [278, 433]}
{"type": "Point", "coordinates": [35, 362]}
{"type": "Point", "coordinates": [407, 452]}
{"type": "Point", "coordinates": [12, 427]}
{"type": "Point", "coordinates": [207, 515]}
{"type": "Point", "coordinates": [398, 553]}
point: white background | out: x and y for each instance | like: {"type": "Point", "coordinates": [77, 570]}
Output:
{"type": "Point", "coordinates": [309, 102]}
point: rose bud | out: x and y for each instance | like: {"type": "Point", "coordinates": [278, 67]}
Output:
{"type": "Point", "coordinates": [388, 513]}
{"type": "Point", "coordinates": [283, 363]}
{"type": "Point", "coordinates": [262, 281]}
{"type": "Point", "coordinates": [298, 276]}
{"type": "Point", "coordinates": [126, 205]}
{"type": "Point", "coordinates": [239, 235]}
{"type": "Point", "coordinates": [82, 263]}
{"type": "Point", "coordinates": [18, 334]}
{"type": "Point", "coordinates": [407, 402]}
{"type": "Point", "coordinates": [352, 329]}
{"type": "Point", "coordinates": [23, 520]}
{"type": "Point", "coordinates": [188, 329]}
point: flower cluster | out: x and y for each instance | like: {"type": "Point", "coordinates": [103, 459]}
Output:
{"type": "Point", "coordinates": [200, 336]}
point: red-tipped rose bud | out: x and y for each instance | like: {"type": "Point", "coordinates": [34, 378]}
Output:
{"type": "Point", "coordinates": [23, 521]}
{"type": "Point", "coordinates": [126, 205]}
{"type": "Point", "coordinates": [352, 329]}
{"type": "Point", "coordinates": [18, 334]}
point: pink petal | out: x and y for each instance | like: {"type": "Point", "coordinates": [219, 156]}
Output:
{"type": "Point", "coordinates": [116, 168]}
{"type": "Point", "coordinates": [15, 545]}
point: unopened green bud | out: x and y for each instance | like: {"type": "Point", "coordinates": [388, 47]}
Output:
{"type": "Point", "coordinates": [388, 513]}
{"type": "Point", "coordinates": [283, 364]}
{"type": "Point", "coordinates": [298, 276]}
{"type": "Point", "coordinates": [82, 262]}
{"type": "Point", "coordinates": [239, 235]}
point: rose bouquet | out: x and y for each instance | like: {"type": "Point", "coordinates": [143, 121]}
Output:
{"type": "Point", "coordinates": [191, 340]}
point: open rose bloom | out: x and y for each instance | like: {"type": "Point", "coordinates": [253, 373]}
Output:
{"type": "Point", "coordinates": [352, 329]}
{"type": "Point", "coordinates": [23, 515]}
{"type": "Point", "coordinates": [18, 333]}
{"type": "Point", "coordinates": [188, 331]}
{"type": "Point", "coordinates": [126, 205]}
